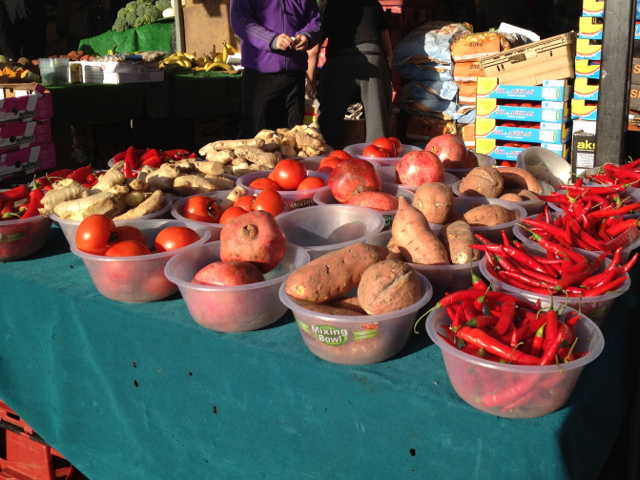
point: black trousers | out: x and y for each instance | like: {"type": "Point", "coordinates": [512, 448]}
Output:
{"type": "Point", "coordinates": [271, 100]}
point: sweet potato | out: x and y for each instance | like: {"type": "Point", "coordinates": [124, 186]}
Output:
{"type": "Point", "coordinates": [512, 197]}
{"type": "Point", "coordinates": [331, 310]}
{"type": "Point", "coordinates": [414, 238]}
{"type": "Point", "coordinates": [456, 237]}
{"type": "Point", "coordinates": [388, 286]}
{"type": "Point", "coordinates": [435, 201]}
{"type": "Point", "coordinates": [380, 201]}
{"type": "Point", "coordinates": [347, 303]}
{"type": "Point", "coordinates": [254, 237]}
{"type": "Point", "coordinates": [334, 274]}
{"type": "Point", "coordinates": [482, 182]}
{"type": "Point", "coordinates": [515, 177]}
{"type": "Point", "coordinates": [522, 192]}
{"type": "Point", "coordinates": [489, 215]}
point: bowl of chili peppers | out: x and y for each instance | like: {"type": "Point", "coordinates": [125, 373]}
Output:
{"type": "Point", "coordinates": [588, 282]}
{"type": "Point", "coordinates": [521, 359]}
{"type": "Point", "coordinates": [23, 231]}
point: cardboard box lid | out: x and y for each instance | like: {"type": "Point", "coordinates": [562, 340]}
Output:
{"type": "Point", "coordinates": [10, 90]}
{"type": "Point", "coordinates": [530, 50]}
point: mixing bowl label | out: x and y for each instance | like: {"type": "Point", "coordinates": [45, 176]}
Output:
{"type": "Point", "coordinates": [338, 336]}
{"type": "Point", "coordinates": [305, 202]}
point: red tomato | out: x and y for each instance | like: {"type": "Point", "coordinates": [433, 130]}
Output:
{"type": "Point", "coordinates": [231, 212]}
{"type": "Point", "coordinates": [128, 232]}
{"type": "Point", "coordinates": [94, 234]}
{"type": "Point", "coordinates": [127, 248]}
{"type": "Point", "coordinates": [269, 201]}
{"type": "Point", "coordinates": [398, 145]}
{"type": "Point", "coordinates": [175, 237]}
{"type": "Point", "coordinates": [341, 154]}
{"type": "Point", "coordinates": [506, 163]}
{"type": "Point", "coordinates": [310, 183]}
{"type": "Point", "coordinates": [201, 209]}
{"type": "Point", "coordinates": [289, 173]}
{"type": "Point", "coordinates": [272, 176]}
{"type": "Point", "coordinates": [265, 183]}
{"type": "Point", "coordinates": [372, 151]}
{"type": "Point", "coordinates": [385, 144]}
{"type": "Point", "coordinates": [328, 163]}
{"type": "Point", "coordinates": [245, 202]}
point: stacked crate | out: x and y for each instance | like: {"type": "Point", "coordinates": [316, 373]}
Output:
{"type": "Point", "coordinates": [25, 130]}
{"type": "Point", "coordinates": [510, 118]}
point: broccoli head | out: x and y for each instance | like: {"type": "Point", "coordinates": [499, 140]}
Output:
{"type": "Point", "coordinates": [122, 13]}
{"type": "Point", "coordinates": [131, 6]}
{"type": "Point", "coordinates": [140, 21]}
{"type": "Point", "coordinates": [140, 11]}
{"type": "Point", "coordinates": [162, 5]}
{"type": "Point", "coordinates": [120, 25]}
{"type": "Point", "coordinates": [152, 14]}
{"type": "Point", "coordinates": [142, 2]}
{"type": "Point", "coordinates": [131, 18]}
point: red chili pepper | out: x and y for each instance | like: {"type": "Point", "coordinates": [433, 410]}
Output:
{"type": "Point", "coordinates": [155, 162]}
{"type": "Point", "coordinates": [627, 266]}
{"type": "Point", "coordinates": [118, 157]}
{"type": "Point", "coordinates": [152, 152]}
{"type": "Point", "coordinates": [559, 250]}
{"type": "Point", "coordinates": [482, 321]}
{"type": "Point", "coordinates": [8, 210]}
{"type": "Point", "coordinates": [80, 175]}
{"type": "Point", "coordinates": [510, 393]}
{"type": "Point", "coordinates": [507, 314]}
{"type": "Point", "coordinates": [620, 226]}
{"type": "Point", "coordinates": [532, 327]}
{"type": "Point", "coordinates": [607, 287]}
{"type": "Point", "coordinates": [130, 161]}
{"type": "Point", "coordinates": [618, 211]}
{"type": "Point", "coordinates": [481, 339]}
{"type": "Point", "coordinates": [35, 202]}
{"type": "Point", "coordinates": [631, 234]}
{"type": "Point", "coordinates": [177, 151]}
{"type": "Point", "coordinates": [192, 155]}
{"type": "Point", "coordinates": [577, 278]}
{"type": "Point", "coordinates": [551, 329]}
{"type": "Point", "coordinates": [550, 349]}
{"type": "Point", "coordinates": [17, 193]}
{"type": "Point", "coordinates": [538, 341]}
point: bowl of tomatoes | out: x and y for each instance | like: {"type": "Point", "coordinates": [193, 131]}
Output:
{"type": "Point", "coordinates": [384, 150]}
{"type": "Point", "coordinates": [291, 180]}
{"type": "Point", "coordinates": [126, 262]}
{"type": "Point", "coordinates": [213, 210]}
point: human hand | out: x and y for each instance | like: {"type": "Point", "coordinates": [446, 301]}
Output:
{"type": "Point", "coordinates": [301, 42]}
{"type": "Point", "coordinates": [284, 42]}
{"type": "Point", "coordinates": [310, 87]}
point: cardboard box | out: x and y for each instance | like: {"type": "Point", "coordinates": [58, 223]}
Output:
{"type": "Point", "coordinates": [24, 101]}
{"type": "Point", "coordinates": [467, 93]}
{"type": "Point", "coordinates": [634, 97]}
{"type": "Point", "coordinates": [208, 130]}
{"type": "Point", "coordinates": [493, 148]}
{"type": "Point", "coordinates": [531, 64]}
{"type": "Point", "coordinates": [94, 72]}
{"type": "Point", "coordinates": [27, 161]}
{"type": "Point", "coordinates": [551, 90]}
{"type": "Point", "coordinates": [591, 27]}
{"type": "Point", "coordinates": [591, 69]}
{"type": "Point", "coordinates": [583, 110]}
{"type": "Point", "coordinates": [21, 135]}
{"type": "Point", "coordinates": [425, 128]}
{"type": "Point", "coordinates": [593, 8]}
{"type": "Point", "coordinates": [98, 76]}
{"type": "Point", "coordinates": [310, 114]}
{"type": "Point", "coordinates": [583, 146]}
{"type": "Point", "coordinates": [586, 89]}
{"type": "Point", "coordinates": [588, 49]}
{"type": "Point", "coordinates": [467, 71]}
{"type": "Point", "coordinates": [353, 131]}
{"type": "Point", "coordinates": [553, 112]}
{"type": "Point", "coordinates": [546, 133]}
{"type": "Point", "coordinates": [212, 17]}
{"type": "Point", "coordinates": [635, 71]}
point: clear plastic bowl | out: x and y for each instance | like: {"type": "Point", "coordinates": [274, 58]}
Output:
{"type": "Point", "coordinates": [388, 175]}
{"type": "Point", "coordinates": [444, 278]}
{"type": "Point", "coordinates": [138, 279]}
{"type": "Point", "coordinates": [356, 340]}
{"type": "Point", "coordinates": [356, 150]}
{"type": "Point", "coordinates": [293, 199]}
{"type": "Point", "coordinates": [476, 380]}
{"type": "Point", "coordinates": [545, 165]}
{"type": "Point", "coordinates": [69, 227]}
{"type": "Point", "coordinates": [20, 238]}
{"type": "Point", "coordinates": [461, 205]}
{"type": "Point", "coordinates": [531, 206]}
{"type": "Point", "coordinates": [596, 308]}
{"type": "Point", "coordinates": [521, 234]}
{"type": "Point", "coordinates": [240, 308]}
{"type": "Point", "coordinates": [325, 197]}
{"type": "Point", "coordinates": [324, 228]}
{"type": "Point", "coordinates": [177, 211]}
{"type": "Point", "coordinates": [313, 163]}
{"type": "Point", "coordinates": [483, 161]}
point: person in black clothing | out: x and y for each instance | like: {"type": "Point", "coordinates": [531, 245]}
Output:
{"type": "Point", "coordinates": [7, 43]}
{"type": "Point", "coordinates": [359, 60]}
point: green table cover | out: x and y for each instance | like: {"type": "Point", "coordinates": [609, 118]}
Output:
{"type": "Point", "coordinates": [190, 96]}
{"type": "Point", "coordinates": [141, 392]}
{"type": "Point", "coordinates": [156, 36]}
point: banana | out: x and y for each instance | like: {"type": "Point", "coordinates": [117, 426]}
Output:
{"type": "Point", "coordinates": [218, 58]}
{"type": "Point", "coordinates": [189, 56]}
{"type": "Point", "coordinates": [230, 48]}
{"type": "Point", "coordinates": [199, 62]}
{"type": "Point", "coordinates": [225, 52]}
{"type": "Point", "coordinates": [219, 66]}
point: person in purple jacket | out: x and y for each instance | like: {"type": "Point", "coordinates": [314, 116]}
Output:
{"type": "Point", "coordinates": [275, 36]}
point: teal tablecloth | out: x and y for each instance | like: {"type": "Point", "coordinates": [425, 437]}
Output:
{"type": "Point", "coordinates": [143, 392]}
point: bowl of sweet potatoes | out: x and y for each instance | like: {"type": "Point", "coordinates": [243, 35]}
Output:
{"type": "Point", "coordinates": [354, 307]}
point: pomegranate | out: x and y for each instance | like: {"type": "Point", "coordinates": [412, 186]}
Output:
{"type": "Point", "coordinates": [228, 273]}
{"type": "Point", "coordinates": [418, 167]}
{"type": "Point", "coordinates": [351, 177]}
{"type": "Point", "coordinates": [450, 149]}
{"type": "Point", "coordinates": [471, 161]}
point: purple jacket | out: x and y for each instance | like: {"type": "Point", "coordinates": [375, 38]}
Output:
{"type": "Point", "coordinates": [258, 22]}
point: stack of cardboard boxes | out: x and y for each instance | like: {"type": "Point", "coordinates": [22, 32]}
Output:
{"type": "Point", "coordinates": [523, 100]}
{"type": "Point", "coordinates": [25, 130]}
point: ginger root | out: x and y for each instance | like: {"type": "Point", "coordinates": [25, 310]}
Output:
{"type": "Point", "coordinates": [56, 197]}
{"type": "Point", "coordinates": [148, 206]}
{"type": "Point", "coordinates": [233, 144]}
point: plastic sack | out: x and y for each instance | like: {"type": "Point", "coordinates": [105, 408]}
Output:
{"type": "Point", "coordinates": [426, 72]}
{"type": "Point", "coordinates": [436, 99]}
{"type": "Point", "coordinates": [638, 11]}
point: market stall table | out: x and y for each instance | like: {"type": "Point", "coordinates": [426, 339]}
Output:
{"type": "Point", "coordinates": [141, 391]}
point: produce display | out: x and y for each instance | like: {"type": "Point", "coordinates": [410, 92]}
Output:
{"type": "Point", "coordinates": [141, 12]}
{"type": "Point", "coordinates": [21, 71]}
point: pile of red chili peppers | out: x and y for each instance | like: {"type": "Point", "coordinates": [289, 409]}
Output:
{"type": "Point", "coordinates": [610, 174]}
{"type": "Point", "coordinates": [20, 202]}
{"type": "Point", "coordinates": [135, 159]}
{"type": "Point", "coordinates": [593, 218]}
{"type": "Point", "coordinates": [561, 271]}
